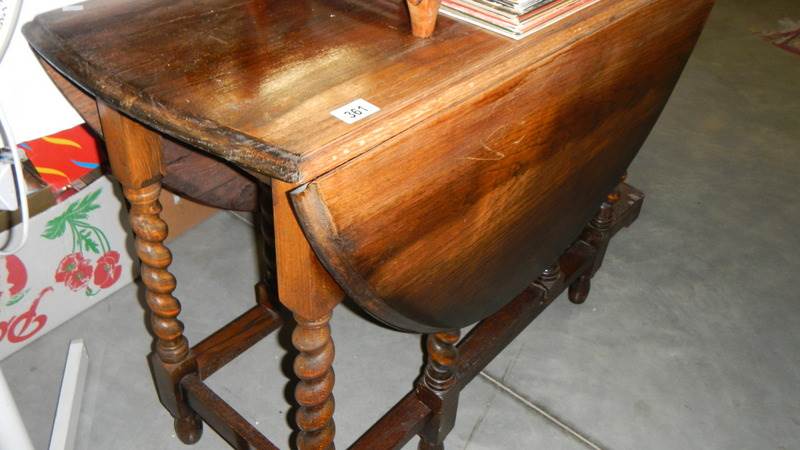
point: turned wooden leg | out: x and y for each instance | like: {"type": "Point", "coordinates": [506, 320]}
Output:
{"type": "Point", "coordinates": [307, 290]}
{"type": "Point", "coordinates": [597, 234]}
{"type": "Point", "coordinates": [266, 228]}
{"type": "Point", "coordinates": [172, 347]}
{"type": "Point", "coordinates": [434, 388]}
{"type": "Point", "coordinates": [135, 157]}
{"type": "Point", "coordinates": [151, 231]}
{"type": "Point", "coordinates": [314, 392]}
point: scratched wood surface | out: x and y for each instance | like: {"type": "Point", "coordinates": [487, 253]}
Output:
{"type": "Point", "coordinates": [441, 225]}
{"type": "Point", "coordinates": [487, 159]}
{"type": "Point", "coordinates": [187, 172]}
{"type": "Point", "coordinates": [253, 81]}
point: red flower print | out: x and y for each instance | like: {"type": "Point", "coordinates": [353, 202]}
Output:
{"type": "Point", "coordinates": [74, 271]}
{"type": "Point", "coordinates": [16, 278]}
{"type": "Point", "coordinates": [107, 270]}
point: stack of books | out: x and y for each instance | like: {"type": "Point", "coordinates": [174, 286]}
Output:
{"type": "Point", "coordinates": [513, 18]}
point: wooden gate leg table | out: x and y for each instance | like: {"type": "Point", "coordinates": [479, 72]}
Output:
{"type": "Point", "coordinates": [467, 177]}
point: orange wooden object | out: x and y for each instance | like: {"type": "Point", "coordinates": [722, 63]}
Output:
{"type": "Point", "coordinates": [423, 16]}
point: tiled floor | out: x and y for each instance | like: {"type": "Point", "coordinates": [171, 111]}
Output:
{"type": "Point", "coordinates": [688, 341]}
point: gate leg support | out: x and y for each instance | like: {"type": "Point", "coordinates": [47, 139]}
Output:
{"type": "Point", "coordinates": [597, 234]}
{"type": "Point", "coordinates": [435, 388]}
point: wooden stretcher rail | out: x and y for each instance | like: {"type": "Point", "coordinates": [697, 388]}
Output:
{"type": "Point", "coordinates": [476, 350]}
{"type": "Point", "coordinates": [188, 172]}
{"type": "Point", "coordinates": [410, 415]}
{"type": "Point", "coordinates": [239, 433]}
{"type": "Point", "coordinates": [494, 333]}
{"type": "Point", "coordinates": [395, 428]}
{"type": "Point", "coordinates": [234, 338]}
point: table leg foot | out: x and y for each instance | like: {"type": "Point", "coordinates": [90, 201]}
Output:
{"type": "Point", "coordinates": [189, 429]}
{"type": "Point", "coordinates": [579, 290]}
{"type": "Point", "coordinates": [598, 235]}
{"type": "Point", "coordinates": [424, 445]}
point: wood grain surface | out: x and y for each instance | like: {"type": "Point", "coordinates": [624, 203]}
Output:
{"type": "Point", "coordinates": [136, 159]}
{"type": "Point", "coordinates": [254, 81]}
{"type": "Point", "coordinates": [443, 224]}
{"type": "Point", "coordinates": [188, 172]}
{"type": "Point", "coordinates": [487, 159]}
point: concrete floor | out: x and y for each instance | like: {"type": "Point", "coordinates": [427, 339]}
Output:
{"type": "Point", "coordinates": [688, 341]}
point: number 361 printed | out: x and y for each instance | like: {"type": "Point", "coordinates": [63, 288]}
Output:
{"type": "Point", "coordinates": [355, 111]}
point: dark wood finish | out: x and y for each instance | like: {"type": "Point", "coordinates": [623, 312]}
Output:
{"type": "Point", "coordinates": [135, 157]}
{"type": "Point", "coordinates": [487, 159]}
{"type": "Point", "coordinates": [494, 333]}
{"type": "Point", "coordinates": [264, 221]}
{"type": "Point", "coordinates": [449, 369]}
{"type": "Point", "coordinates": [307, 290]}
{"type": "Point", "coordinates": [234, 428]}
{"type": "Point", "coordinates": [187, 172]}
{"type": "Point", "coordinates": [573, 263]}
{"type": "Point", "coordinates": [206, 179]}
{"type": "Point", "coordinates": [213, 352]}
{"type": "Point", "coordinates": [596, 234]}
{"type": "Point", "coordinates": [430, 408]}
{"type": "Point", "coordinates": [434, 387]}
{"type": "Point", "coordinates": [528, 160]}
{"type": "Point", "coordinates": [254, 81]}
{"type": "Point", "coordinates": [82, 101]}
{"type": "Point", "coordinates": [395, 428]}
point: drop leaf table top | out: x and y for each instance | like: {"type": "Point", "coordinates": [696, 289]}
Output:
{"type": "Point", "coordinates": [254, 81]}
{"type": "Point", "coordinates": [484, 164]}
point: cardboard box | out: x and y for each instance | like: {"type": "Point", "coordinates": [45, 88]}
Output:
{"type": "Point", "coordinates": [40, 199]}
{"type": "Point", "coordinates": [182, 214]}
{"type": "Point", "coordinates": [75, 257]}
{"type": "Point", "coordinates": [78, 252]}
